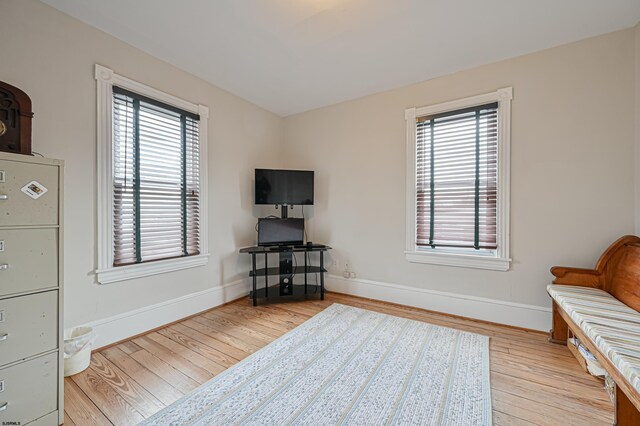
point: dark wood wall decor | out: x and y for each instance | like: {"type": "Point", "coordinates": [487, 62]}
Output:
{"type": "Point", "coordinates": [15, 120]}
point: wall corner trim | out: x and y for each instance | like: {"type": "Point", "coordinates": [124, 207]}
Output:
{"type": "Point", "coordinates": [493, 310]}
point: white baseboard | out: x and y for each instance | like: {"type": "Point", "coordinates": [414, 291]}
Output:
{"type": "Point", "coordinates": [128, 324]}
{"type": "Point", "coordinates": [498, 311]}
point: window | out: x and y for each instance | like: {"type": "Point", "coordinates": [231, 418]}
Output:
{"type": "Point", "coordinates": [155, 180]}
{"type": "Point", "coordinates": [151, 194]}
{"type": "Point", "coordinates": [457, 180]}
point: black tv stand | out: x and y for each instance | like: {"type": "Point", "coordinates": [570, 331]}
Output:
{"type": "Point", "coordinates": [287, 270]}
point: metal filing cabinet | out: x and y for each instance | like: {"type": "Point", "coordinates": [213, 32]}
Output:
{"type": "Point", "coordinates": [31, 326]}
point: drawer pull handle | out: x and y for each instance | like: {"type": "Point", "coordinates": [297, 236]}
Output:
{"type": "Point", "coordinates": [4, 266]}
{"type": "Point", "coordinates": [4, 406]}
{"type": "Point", "coordinates": [4, 197]}
{"type": "Point", "coordinates": [4, 336]}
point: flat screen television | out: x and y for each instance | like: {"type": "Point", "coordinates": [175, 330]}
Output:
{"type": "Point", "coordinates": [283, 187]}
{"type": "Point", "coordinates": [275, 232]}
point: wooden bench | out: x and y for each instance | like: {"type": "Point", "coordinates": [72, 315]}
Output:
{"type": "Point", "coordinates": [600, 306]}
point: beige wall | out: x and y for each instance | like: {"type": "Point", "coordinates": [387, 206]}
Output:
{"type": "Point", "coordinates": [51, 56]}
{"type": "Point", "coordinates": [572, 162]}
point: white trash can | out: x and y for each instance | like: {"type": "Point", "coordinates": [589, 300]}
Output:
{"type": "Point", "coordinates": [77, 349]}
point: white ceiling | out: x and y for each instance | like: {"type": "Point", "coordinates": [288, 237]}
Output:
{"type": "Point", "coordinates": [290, 56]}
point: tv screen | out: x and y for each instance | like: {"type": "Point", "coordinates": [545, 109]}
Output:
{"type": "Point", "coordinates": [284, 187]}
{"type": "Point", "coordinates": [280, 231]}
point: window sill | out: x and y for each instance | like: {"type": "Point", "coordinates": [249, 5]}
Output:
{"type": "Point", "coordinates": [459, 259]}
{"type": "Point", "coordinates": [129, 272]}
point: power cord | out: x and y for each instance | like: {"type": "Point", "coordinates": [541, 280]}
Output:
{"type": "Point", "coordinates": [306, 238]}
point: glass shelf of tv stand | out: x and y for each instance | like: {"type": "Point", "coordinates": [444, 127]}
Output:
{"type": "Point", "coordinates": [298, 270]}
{"type": "Point", "coordinates": [298, 291]}
{"type": "Point", "coordinates": [284, 249]}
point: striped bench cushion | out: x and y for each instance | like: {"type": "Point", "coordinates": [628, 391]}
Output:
{"type": "Point", "coordinates": [612, 326]}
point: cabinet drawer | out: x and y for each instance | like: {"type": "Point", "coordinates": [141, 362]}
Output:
{"type": "Point", "coordinates": [30, 324]}
{"type": "Point", "coordinates": [51, 419]}
{"type": "Point", "coordinates": [20, 209]}
{"type": "Point", "coordinates": [29, 260]}
{"type": "Point", "coordinates": [30, 389]}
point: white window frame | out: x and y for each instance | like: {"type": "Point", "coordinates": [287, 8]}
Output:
{"type": "Point", "coordinates": [106, 272]}
{"type": "Point", "coordinates": [497, 259]}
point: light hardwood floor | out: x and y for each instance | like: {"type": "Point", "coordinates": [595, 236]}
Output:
{"type": "Point", "coordinates": [532, 381]}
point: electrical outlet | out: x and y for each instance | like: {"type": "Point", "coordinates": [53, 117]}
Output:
{"type": "Point", "coordinates": [2, 176]}
{"type": "Point", "coordinates": [352, 274]}
{"type": "Point", "coordinates": [1, 245]}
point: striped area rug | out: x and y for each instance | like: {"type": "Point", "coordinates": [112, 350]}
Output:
{"type": "Point", "coordinates": [349, 366]}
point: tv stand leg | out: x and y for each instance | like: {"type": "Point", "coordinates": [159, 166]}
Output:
{"type": "Point", "coordinates": [254, 294]}
{"type": "Point", "coordinates": [321, 275]}
{"type": "Point", "coordinates": [305, 273]}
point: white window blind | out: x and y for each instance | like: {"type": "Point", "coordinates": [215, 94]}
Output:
{"type": "Point", "coordinates": [156, 191]}
{"type": "Point", "coordinates": [456, 177]}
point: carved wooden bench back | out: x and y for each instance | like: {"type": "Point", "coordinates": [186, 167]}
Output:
{"type": "Point", "coordinates": [621, 274]}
